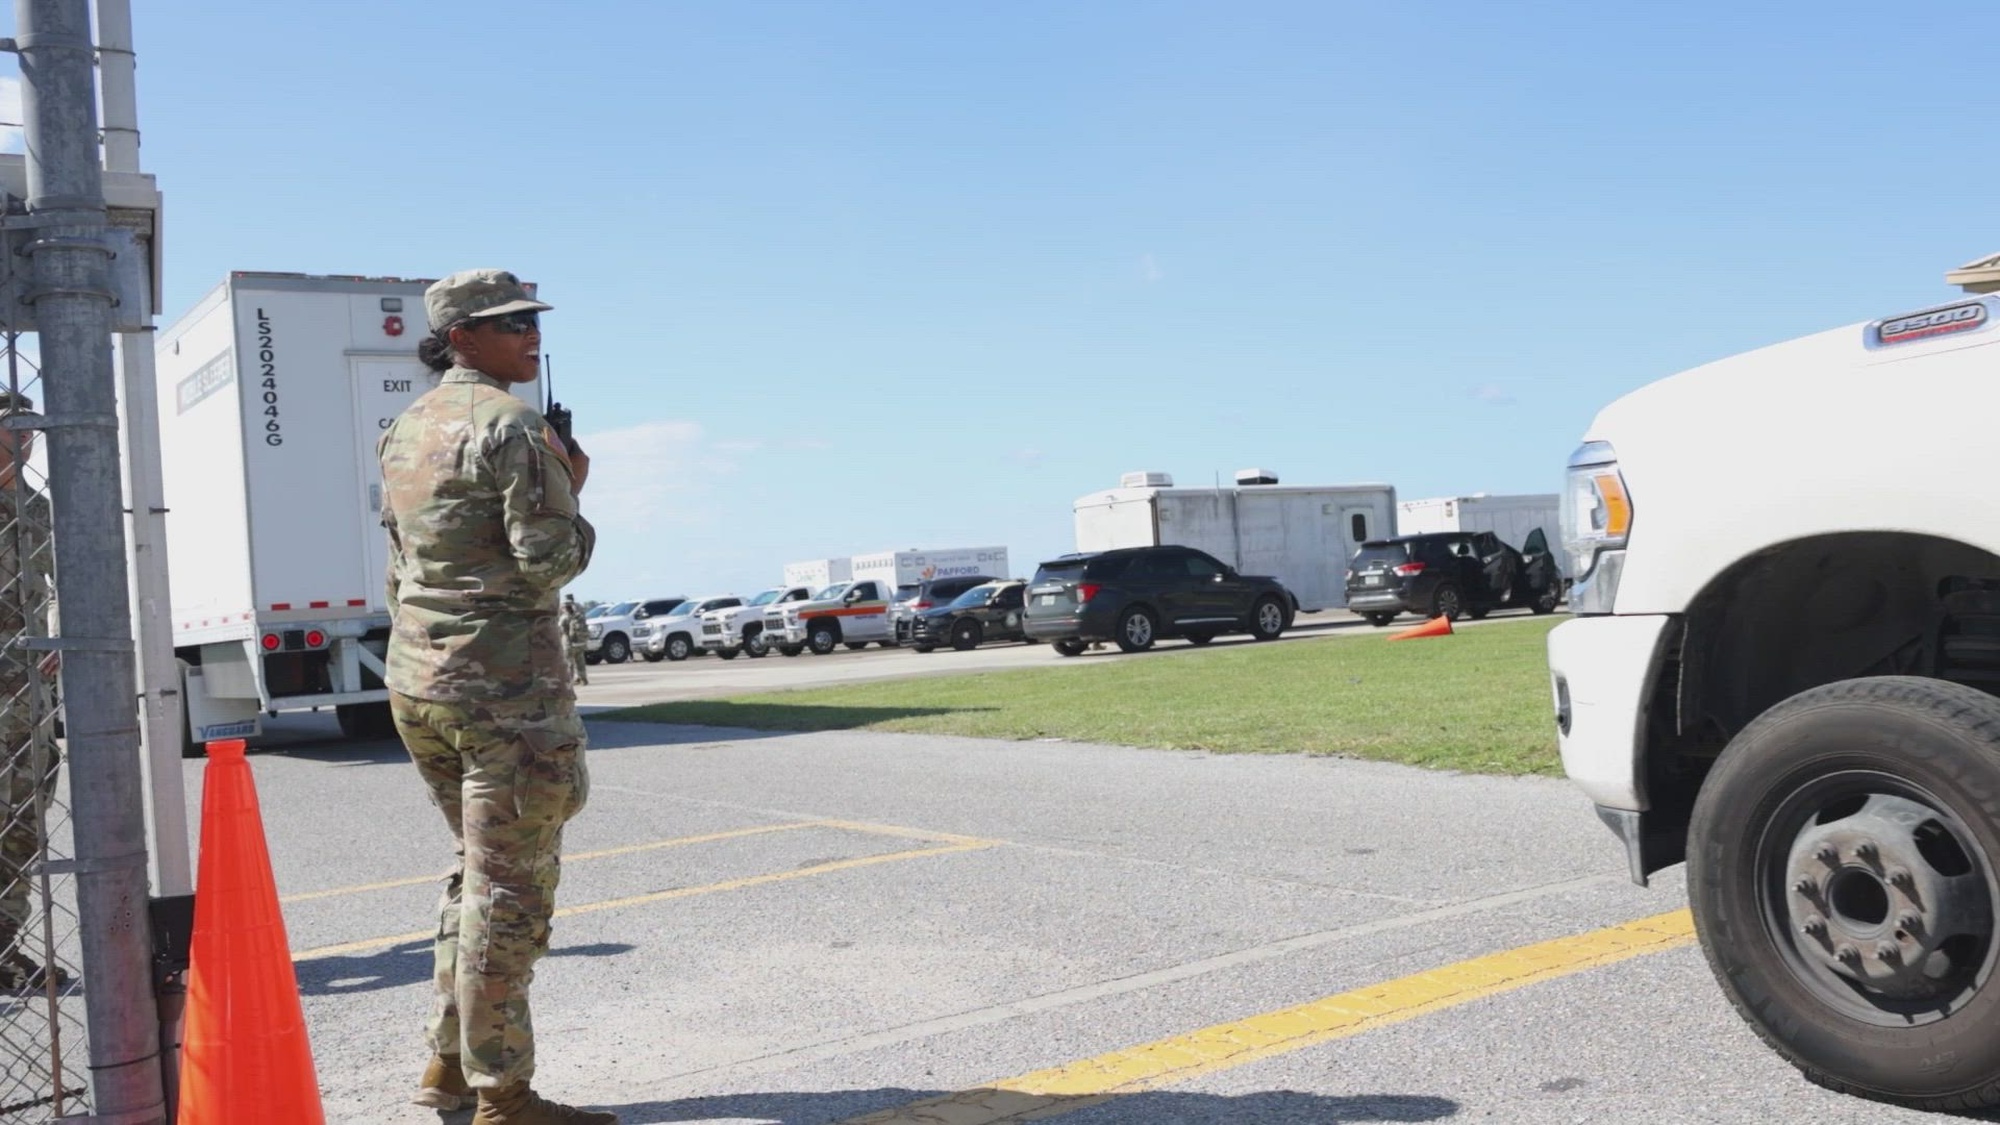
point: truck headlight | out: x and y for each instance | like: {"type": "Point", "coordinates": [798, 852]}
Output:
{"type": "Point", "coordinates": [596, 632]}
{"type": "Point", "coordinates": [1596, 520]}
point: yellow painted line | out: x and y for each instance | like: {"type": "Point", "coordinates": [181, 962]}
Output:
{"type": "Point", "coordinates": [1064, 1089]}
{"type": "Point", "coordinates": [676, 842]}
{"type": "Point", "coordinates": [370, 944]}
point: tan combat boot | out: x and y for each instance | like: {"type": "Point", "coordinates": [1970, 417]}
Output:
{"type": "Point", "coordinates": [518, 1105]}
{"type": "Point", "coordinates": [443, 1085]}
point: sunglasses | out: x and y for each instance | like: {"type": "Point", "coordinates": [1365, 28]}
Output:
{"type": "Point", "coordinates": [515, 324]}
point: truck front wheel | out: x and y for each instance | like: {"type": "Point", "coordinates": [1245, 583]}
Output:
{"type": "Point", "coordinates": [822, 637]}
{"type": "Point", "coordinates": [1841, 872]}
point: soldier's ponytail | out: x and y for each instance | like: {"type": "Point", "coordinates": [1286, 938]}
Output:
{"type": "Point", "coordinates": [435, 353]}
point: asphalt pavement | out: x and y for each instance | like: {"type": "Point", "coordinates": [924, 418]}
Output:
{"type": "Point", "coordinates": [858, 927]}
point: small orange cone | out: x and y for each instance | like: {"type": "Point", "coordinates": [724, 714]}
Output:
{"type": "Point", "coordinates": [245, 1056]}
{"type": "Point", "coordinates": [1439, 626]}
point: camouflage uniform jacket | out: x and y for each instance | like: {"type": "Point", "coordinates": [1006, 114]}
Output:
{"type": "Point", "coordinates": [483, 535]}
{"type": "Point", "coordinates": [25, 609]}
{"type": "Point", "coordinates": [574, 630]}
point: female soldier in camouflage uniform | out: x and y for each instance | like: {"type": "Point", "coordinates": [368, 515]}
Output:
{"type": "Point", "coordinates": [480, 504]}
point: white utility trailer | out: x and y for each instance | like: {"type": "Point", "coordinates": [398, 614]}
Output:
{"type": "Point", "coordinates": [1301, 535]}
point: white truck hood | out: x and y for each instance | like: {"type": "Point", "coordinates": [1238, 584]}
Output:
{"type": "Point", "coordinates": [1808, 437]}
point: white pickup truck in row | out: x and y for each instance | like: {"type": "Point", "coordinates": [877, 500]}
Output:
{"type": "Point", "coordinates": [1781, 671]}
{"type": "Point", "coordinates": [740, 628]}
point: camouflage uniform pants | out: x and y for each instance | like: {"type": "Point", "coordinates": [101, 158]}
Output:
{"type": "Point", "coordinates": [28, 768]}
{"type": "Point", "coordinates": [578, 664]}
{"type": "Point", "coordinates": [507, 776]}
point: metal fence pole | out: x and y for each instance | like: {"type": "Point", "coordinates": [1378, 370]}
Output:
{"type": "Point", "coordinates": [72, 307]}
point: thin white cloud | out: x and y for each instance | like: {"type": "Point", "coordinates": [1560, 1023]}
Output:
{"type": "Point", "coordinates": [650, 476]}
{"type": "Point", "coordinates": [11, 138]}
{"type": "Point", "coordinates": [739, 445]}
{"type": "Point", "coordinates": [1492, 394]}
{"type": "Point", "coordinates": [1029, 456]}
{"type": "Point", "coordinates": [1149, 268]}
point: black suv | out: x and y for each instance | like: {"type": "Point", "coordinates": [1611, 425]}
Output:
{"type": "Point", "coordinates": [1136, 595]}
{"type": "Point", "coordinates": [990, 612]}
{"type": "Point", "coordinates": [1451, 574]}
{"type": "Point", "coordinates": [918, 597]}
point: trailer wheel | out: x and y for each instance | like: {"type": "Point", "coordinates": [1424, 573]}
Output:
{"type": "Point", "coordinates": [966, 635]}
{"type": "Point", "coordinates": [366, 720]}
{"type": "Point", "coordinates": [679, 648]}
{"type": "Point", "coordinates": [1267, 619]}
{"type": "Point", "coordinates": [1842, 875]}
{"type": "Point", "coordinates": [822, 638]}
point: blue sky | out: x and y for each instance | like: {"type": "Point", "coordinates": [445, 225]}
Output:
{"type": "Point", "coordinates": [842, 277]}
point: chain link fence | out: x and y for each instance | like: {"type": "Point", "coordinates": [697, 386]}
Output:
{"type": "Point", "coordinates": [43, 1041]}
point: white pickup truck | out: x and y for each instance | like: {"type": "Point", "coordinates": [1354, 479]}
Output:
{"type": "Point", "coordinates": [1781, 671]}
{"type": "Point", "coordinates": [740, 628]}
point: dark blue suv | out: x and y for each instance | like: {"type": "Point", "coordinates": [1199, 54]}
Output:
{"type": "Point", "coordinates": [1137, 595]}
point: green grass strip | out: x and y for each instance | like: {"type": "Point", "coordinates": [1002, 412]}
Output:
{"type": "Point", "coordinates": [1476, 701]}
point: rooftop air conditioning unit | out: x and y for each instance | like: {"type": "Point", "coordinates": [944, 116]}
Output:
{"type": "Point", "coordinates": [1256, 476]}
{"type": "Point", "coordinates": [1146, 480]}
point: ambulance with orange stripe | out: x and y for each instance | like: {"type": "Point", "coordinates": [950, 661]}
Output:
{"type": "Point", "coordinates": [856, 613]}
{"type": "Point", "coordinates": [272, 392]}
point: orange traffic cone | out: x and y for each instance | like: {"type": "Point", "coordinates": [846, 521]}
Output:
{"type": "Point", "coordinates": [1439, 626]}
{"type": "Point", "coordinates": [245, 1056]}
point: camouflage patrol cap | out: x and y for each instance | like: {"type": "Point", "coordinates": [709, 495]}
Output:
{"type": "Point", "coordinates": [470, 293]}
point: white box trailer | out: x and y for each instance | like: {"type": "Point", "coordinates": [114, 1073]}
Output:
{"type": "Point", "coordinates": [907, 568]}
{"type": "Point", "coordinates": [1511, 517]}
{"type": "Point", "coordinates": [1302, 535]}
{"type": "Point", "coordinates": [818, 573]}
{"type": "Point", "coordinates": [273, 390]}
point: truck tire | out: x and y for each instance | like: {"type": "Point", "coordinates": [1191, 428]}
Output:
{"type": "Point", "coordinates": [679, 647]}
{"type": "Point", "coordinates": [966, 635]}
{"type": "Point", "coordinates": [1447, 602]}
{"type": "Point", "coordinates": [1842, 874]}
{"type": "Point", "coordinates": [822, 638]}
{"type": "Point", "coordinates": [1137, 629]}
{"type": "Point", "coordinates": [755, 644]}
{"type": "Point", "coordinates": [617, 650]}
{"type": "Point", "coordinates": [1267, 619]}
{"type": "Point", "coordinates": [365, 720]}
